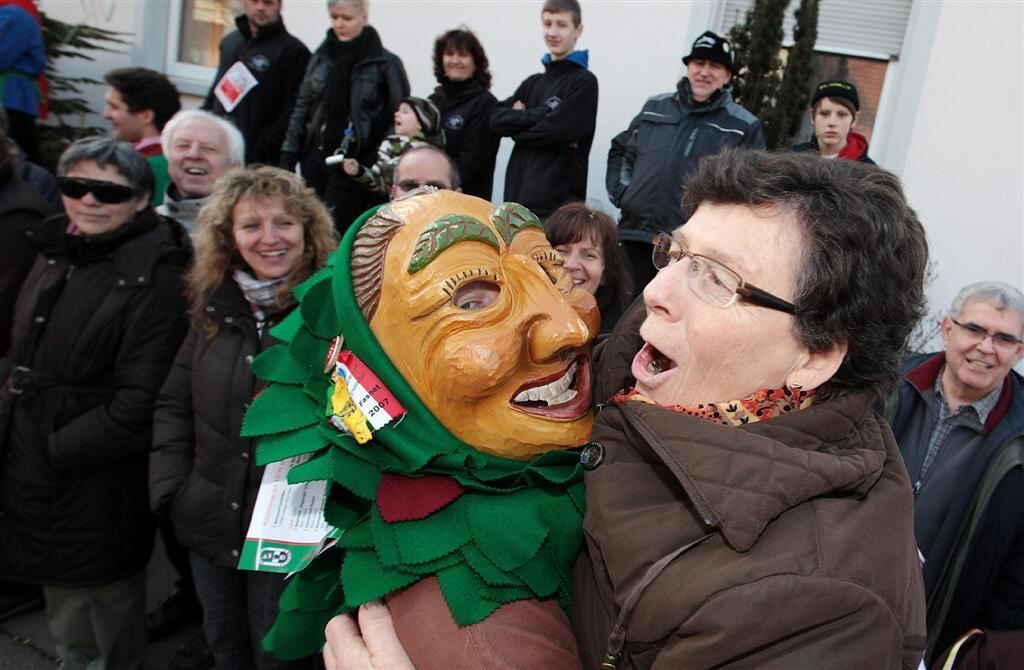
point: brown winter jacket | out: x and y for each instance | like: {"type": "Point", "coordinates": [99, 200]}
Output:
{"type": "Point", "coordinates": [803, 554]}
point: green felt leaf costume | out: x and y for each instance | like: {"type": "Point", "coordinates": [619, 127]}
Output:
{"type": "Point", "coordinates": [512, 533]}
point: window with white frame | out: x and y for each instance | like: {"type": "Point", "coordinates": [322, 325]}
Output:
{"type": "Point", "coordinates": [195, 29]}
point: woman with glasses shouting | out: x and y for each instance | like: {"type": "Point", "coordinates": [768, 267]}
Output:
{"type": "Point", "coordinates": [745, 506]}
{"type": "Point", "coordinates": [96, 326]}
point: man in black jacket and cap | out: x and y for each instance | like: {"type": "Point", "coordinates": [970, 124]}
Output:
{"type": "Point", "coordinates": [648, 162]}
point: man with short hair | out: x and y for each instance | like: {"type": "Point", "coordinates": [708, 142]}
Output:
{"type": "Point", "coordinates": [551, 118]}
{"type": "Point", "coordinates": [959, 422]}
{"type": "Point", "coordinates": [138, 104]}
{"type": "Point", "coordinates": [424, 166]}
{"type": "Point", "coordinates": [648, 162]}
{"type": "Point", "coordinates": [835, 110]}
{"type": "Point", "coordinates": [257, 82]}
{"type": "Point", "coordinates": [200, 148]}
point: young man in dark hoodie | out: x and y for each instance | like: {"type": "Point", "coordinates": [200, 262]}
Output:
{"type": "Point", "coordinates": [257, 82]}
{"type": "Point", "coordinates": [551, 119]}
{"type": "Point", "coordinates": [835, 108]}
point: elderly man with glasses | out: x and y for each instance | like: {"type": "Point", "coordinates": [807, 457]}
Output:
{"type": "Point", "coordinates": [960, 425]}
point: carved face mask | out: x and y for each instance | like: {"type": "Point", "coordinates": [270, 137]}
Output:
{"type": "Point", "coordinates": [477, 313]}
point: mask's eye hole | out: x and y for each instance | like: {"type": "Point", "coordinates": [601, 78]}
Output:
{"type": "Point", "coordinates": [476, 295]}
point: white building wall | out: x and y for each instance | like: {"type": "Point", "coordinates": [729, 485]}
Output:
{"type": "Point", "coordinates": [959, 146]}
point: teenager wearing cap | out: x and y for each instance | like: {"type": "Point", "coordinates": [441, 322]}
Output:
{"type": "Point", "coordinates": [649, 161]}
{"type": "Point", "coordinates": [835, 108]}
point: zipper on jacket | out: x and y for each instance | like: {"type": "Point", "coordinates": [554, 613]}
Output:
{"type": "Point", "coordinates": [689, 142]}
{"type": "Point", "coordinates": [696, 500]}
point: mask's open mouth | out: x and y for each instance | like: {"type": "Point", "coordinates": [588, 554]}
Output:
{"type": "Point", "coordinates": [565, 395]}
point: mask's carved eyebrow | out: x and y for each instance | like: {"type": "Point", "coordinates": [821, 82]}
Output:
{"type": "Point", "coordinates": [445, 232]}
{"type": "Point", "coordinates": [511, 217]}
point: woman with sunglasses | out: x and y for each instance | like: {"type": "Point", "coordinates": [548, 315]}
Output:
{"type": "Point", "coordinates": [261, 233]}
{"type": "Point", "coordinates": [96, 326]}
{"type": "Point", "coordinates": [745, 506]}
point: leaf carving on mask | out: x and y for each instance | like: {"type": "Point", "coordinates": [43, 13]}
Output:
{"type": "Point", "coordinates": [443, 233]}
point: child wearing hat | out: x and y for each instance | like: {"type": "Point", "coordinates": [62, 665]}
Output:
{"type": "Point", "coordinates": [835, 108]}
{"type": "Point", "coordinates": [417, 124]}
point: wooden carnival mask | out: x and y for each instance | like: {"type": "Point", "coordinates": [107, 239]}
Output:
{"type": "Point", "coordinates": [477, 313]}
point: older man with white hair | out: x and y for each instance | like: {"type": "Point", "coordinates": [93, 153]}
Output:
{"type": "Point", "coordinates": [199, 147]}
{"type": "Point", "coordinates": [960, 427]}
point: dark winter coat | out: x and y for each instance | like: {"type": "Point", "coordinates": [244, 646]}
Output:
{"type": "Point", "coordinates": [974, 569]}
{"type": "Point", "coordinates": [96, 326]}
{"type": "Point", "coordinates": [465, 108]}
{"type": "Point", "coordinates": [275, 58]}
{"type": "Point", "coordinates": [21, 210]}
{"type": "Point", "coordinates": [201, 470]}
{"type": "Point", "coordinates": [377, 86]}
{"type": "Point", "coordinates": [649, 162]}
{"type": "Point", "coordinates": [785, 543]}
{"type": "Point", "coordinates": [552, 136]}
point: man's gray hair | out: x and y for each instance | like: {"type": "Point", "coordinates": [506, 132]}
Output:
{"type": "Point", "coordinates": [110, 151]}
{"type": "Point", "coordinates": [999, 295]}
{"type": "Point", "coordinates": [236, 143]}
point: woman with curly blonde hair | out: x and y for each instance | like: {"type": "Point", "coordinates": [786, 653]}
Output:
{"type": "Point", "coordinates": [262, 233]}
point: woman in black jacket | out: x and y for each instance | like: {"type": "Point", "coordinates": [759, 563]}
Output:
{"type": "Point", "coordinates": [96, 325]}
{"type": "Point", "coordinates": [262, 233]}
{"type": "Point", "coordinates": [350, 92]}
{"type": "Point", "coordinates": [465, 101]}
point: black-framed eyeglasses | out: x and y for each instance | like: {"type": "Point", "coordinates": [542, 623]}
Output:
{"type": "Point", "coordinates": [106, 192]}
{"type": "Point", "coordinates": [978, 334]}
{"type": "Point", "coordinates": [713, 282]}
{"type": "Point", "coordinates": [410, 184]}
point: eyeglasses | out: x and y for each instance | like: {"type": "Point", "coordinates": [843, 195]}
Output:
{"type": "Point", "coordinates": [410, 184]}
{"type": "Point", "coordinates": [106, 192]}
{"type": "Point", "coordinates": [977, 335]}
{"type": "Point", "coordinates": [713, 282]}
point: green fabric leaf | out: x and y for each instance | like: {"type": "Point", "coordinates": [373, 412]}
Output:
{"type": "Point", "coordinates": [286, 328]}
{"type": "Point", "coordinates": [355, 474]}
{"type": "Point", "coordinates": [462, 590]}
{"type": "Point", "coordinates": [312, 470]}
{"type": "Point", "coordinates": [360, 564]}
{"type": "Point", "coordinates": [538, 575]}
{"type": "Point", "coordinates": [318, 311]}
{"type": "Point", "coordinates": [357, 537]}
{"type": "Point", "coordinates": [296, 635]}
{"type": "Point", "coordinates": [488, 572]}
{"type": "Point", "coordinates": [276, 364]}
{"type": "Point", "coordinates": [517, 517]}
{"type": "Point", "coordinates": [384, 540]}
{"type": "Point", "coordinates": [279, 408]}
{"type": "Point", "coordinates": [278, 447]}
{"type": "Point", "coordinates": [439, 534]}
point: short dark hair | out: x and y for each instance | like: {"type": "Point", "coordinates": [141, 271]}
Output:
{"type": "Point", "coordinates": [571, 6]}
{"type": "Point", "coordinates": [862, 271]}
{"type": "Point", "coordinates": [574, 221]}
{"type": "Point", "coordinates": [143, 89]}
{"type": "Point", "coordinates": [464, 41]}
{"type": "Point", "coordinates": [453, 169]}
{"type": "Point", "coordinates": [835, 101]}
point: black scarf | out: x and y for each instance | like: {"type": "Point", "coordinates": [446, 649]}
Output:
{"type": "Point", "coordinates": [450, 93]}
{"type": "Point", "coordinates": [344, 56]}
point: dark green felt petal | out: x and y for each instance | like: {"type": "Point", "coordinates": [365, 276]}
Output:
{"type": "Point", "coordinates": [279, 408]}
{"type": "Point", "coordinates": [278, 447]}
{"type": "Point", "coordinates": [517, 517]}
{"type": "Point", "coordinates": [276, 364]}
{"type": "Point", "coordinates": [439, 534]}
{"type": "Point", "coordinates": [296, 635]}
{"type": "Point", "coordinates": [285, 330]}
{"type": "Point", "coordinates": [384, 540]}
{"type": "Point", "coordinates": [318, 311]}
{"type": "Point", "coordinates": [488, 572]}
{"type": "Point", "coordinates": [312, 470]}
{"type": "Point", "coordinates": [462, 590]}
{"type": "Point", "coordinates": [361, 564]}
{"type": "Point", "coordinates": [355, 474]}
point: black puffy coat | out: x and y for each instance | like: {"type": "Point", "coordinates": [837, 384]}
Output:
{"type": "Point", "coordinates": [21, 210]}
{"type": "Point", "coordinates": [97, 323]}
{"type": "Point", "coordinates": [201, 471]}
{"type": "Point", "coordinates": [275, 58]}
{"type": "Point", "coordinates": [465, 108]}
{"type": "Point", "coordinates": [377, 86]}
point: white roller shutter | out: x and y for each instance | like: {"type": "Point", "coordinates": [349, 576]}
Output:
{"type": "Point", "coordinates": [869, 28]}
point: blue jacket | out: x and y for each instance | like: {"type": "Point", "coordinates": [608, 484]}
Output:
{"type": "Point", "coordinates": [974, 572]}
{"type": "Point", "coordinates": [22, 60]}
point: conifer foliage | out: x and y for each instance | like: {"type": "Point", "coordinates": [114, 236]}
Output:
{"type": "Point", "coordinates": [775, 91]}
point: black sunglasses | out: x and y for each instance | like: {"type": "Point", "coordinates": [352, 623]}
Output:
{"type": "Point", "coordinates": [105, 191]}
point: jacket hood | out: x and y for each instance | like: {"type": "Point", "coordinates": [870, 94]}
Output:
{"type": "Point", "coordinates": [266, 32]}
{"type": "Point", "coordinates": [580, 57]}
{"type": "Point", "coordinates": [774, 465]}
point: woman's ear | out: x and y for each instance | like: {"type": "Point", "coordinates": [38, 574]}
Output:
{"type": "Point", "coordinates": [818, 368]}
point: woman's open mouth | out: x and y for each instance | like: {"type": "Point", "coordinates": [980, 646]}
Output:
{"type": "Point", "coordinates": [649, 363]}
{"type": "Point", "coordinates": [565, 395]}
